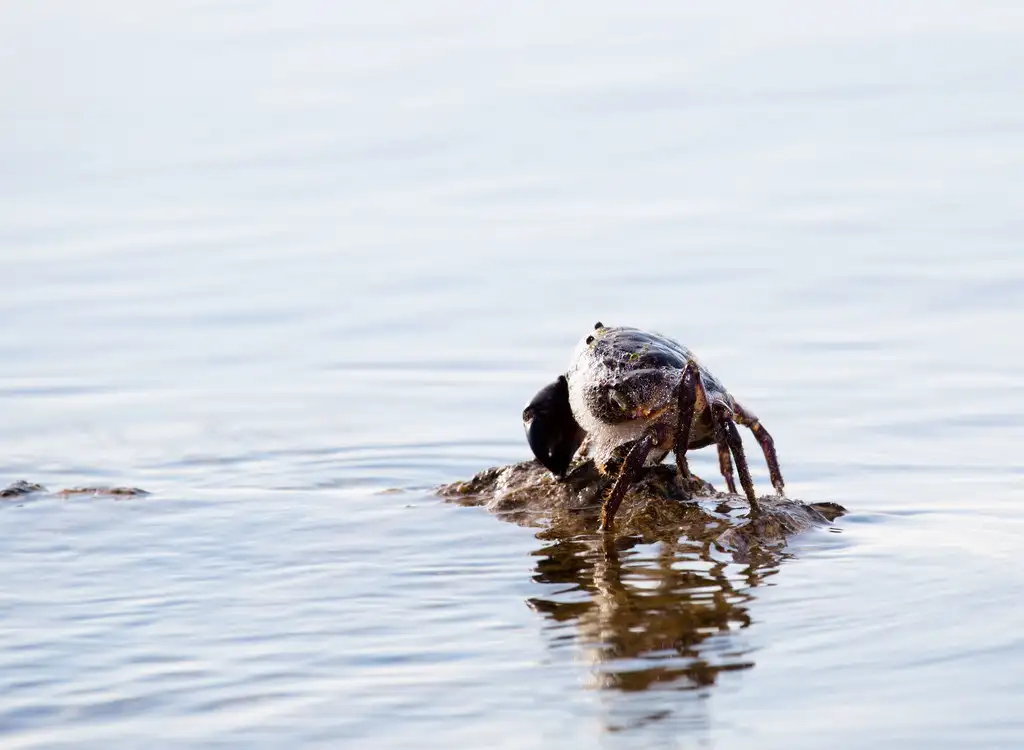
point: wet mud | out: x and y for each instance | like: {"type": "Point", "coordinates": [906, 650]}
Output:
{"type": "Point", "coordinates": [656, 508]}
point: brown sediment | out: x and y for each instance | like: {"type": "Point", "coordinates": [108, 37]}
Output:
{"type": "Point", "coordinates": [116, 491]}
{"type": "Point", "coordinates": [22, 488]}
{"type": "Point", "coordinates": [658, 506]}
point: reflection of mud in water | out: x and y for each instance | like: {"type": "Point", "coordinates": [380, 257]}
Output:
{"type": "Point", "coordinates": [655, 626]}
{"type": "Point", "coordinates": [642, 622]}
{"type": "Point", "coordinates": [661, 605]}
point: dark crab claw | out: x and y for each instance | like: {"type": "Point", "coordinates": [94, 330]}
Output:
{"type": "Point", "coordinates": [551, 430]}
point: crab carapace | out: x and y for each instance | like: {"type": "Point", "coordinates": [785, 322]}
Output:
{"type": "Point", "coordinates": [634, 396]}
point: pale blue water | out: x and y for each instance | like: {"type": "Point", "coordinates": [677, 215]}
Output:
{"type": "Point", "coordinates": [271, 262]}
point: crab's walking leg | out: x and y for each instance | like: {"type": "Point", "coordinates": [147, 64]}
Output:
{"type": "Point", "coordinates": [724, 423]}
{"type": "Point", "coordinates": [747, 418]}
{"type": "Point", "coordinates": [724, 459]}
{"type": "Point", "coordinates": [687, 402]}
{"type": "Point", "coordinates": [721, 438]}
{"type": "Point", "coordinates": [628, 474]}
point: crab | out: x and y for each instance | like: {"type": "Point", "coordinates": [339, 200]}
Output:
{"type": "Point", "coordinates": [631, 396]}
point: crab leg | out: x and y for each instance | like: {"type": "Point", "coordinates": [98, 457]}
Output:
{"type": "Point", "coordinates": [723, 421]}
{"type": "Point", "coordinates": [747, 418]}
{"type": "Point", "coordinates": [724, 459]}
{"type": "Point", "coordinates": [719, 429]}
{"type": "Point", "coordinates": [628, 474]}
{"type": "Point", "coordinates": [687, 402]}
{"type": "Point", "coordinates": [721, 437]}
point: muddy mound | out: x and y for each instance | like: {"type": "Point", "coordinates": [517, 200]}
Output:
{"type": "Point", "coordinates": [21, 489]}
{"type": "Point", "coordinates": [657, 507]}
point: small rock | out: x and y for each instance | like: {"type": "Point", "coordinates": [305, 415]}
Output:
{"type": "Point", "coordinates": [117, 491]}
{"type": "Point", "coordinates": [21, 488]}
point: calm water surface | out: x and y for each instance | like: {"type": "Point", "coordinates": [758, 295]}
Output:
{"type": "Point", "coordinates": [288, 268]}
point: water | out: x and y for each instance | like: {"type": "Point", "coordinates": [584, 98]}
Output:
{"type": "Point", "coordinates": [289, 268]}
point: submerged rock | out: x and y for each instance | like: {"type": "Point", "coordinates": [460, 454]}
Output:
{"type": "Point", "coordinates": [115, 491]}
{"type": "Point", "coordinates": [22, 488]}
{"type": "Point", "coordinates": [657, 507]}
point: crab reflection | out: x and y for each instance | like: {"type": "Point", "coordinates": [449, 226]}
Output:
{"type": "Point", "coordinates": [665, 616]}
{"type": "Point", "coordinates": [661, 606]}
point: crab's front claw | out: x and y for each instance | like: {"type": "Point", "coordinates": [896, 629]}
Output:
{"type": "Point", "coordinates": [552, 431]}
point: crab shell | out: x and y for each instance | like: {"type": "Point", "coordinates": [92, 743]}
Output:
{"type": "Point", "coordinates": [620, 380]}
